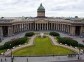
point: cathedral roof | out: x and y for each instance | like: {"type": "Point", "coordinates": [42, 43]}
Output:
{"type": "Point", "coordinates": [41, 8]}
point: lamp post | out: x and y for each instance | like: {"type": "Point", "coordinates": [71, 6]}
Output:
{"type": "Point", "coordinates": [27, 59]}
{"type": "Point", "coordinates": [78, 52]}
{"type": "Point", "coordinates": [11, 54]}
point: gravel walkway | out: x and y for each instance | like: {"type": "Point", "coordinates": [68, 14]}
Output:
{"type": "Point", "coordinates": [30, 43]}
{"type": "Point", "coordinates": [54, 42]}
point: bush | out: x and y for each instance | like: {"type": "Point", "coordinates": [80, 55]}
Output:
{"type": "Point", "coordinates": [68, 41]}
{"type": "Point", "coordinates": [0, 40]}
{"type": "Point", "coordinates": [29, 34]}
{"type": "Point", "coordinates": [1, 47]}
{"type": "Point", "coordinates": [15, 42]}
{"type": "Point", "coordinates": [54, 34]}
{"type": "Point", "coordinates": [81, 46]}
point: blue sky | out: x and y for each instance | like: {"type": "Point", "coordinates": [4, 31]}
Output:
{"type": "Point", "coordinates": [56, 8]}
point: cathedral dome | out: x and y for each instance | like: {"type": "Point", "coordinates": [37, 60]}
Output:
{"type": "Point", "coordinates": [41, 8]}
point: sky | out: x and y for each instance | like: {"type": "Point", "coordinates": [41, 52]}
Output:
{"type": "Point", "coordinates": [53, 8]}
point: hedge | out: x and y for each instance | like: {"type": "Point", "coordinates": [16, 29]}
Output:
{"type": "Point", "coordinates": [54, 34]}
{"type": "Point", "coordinates": [13, 43]}
{"type": "Point", "coordinates": [69, 41]}
{"type": "Point", "coordinates": [1, 47]}
{"type": "Point", "coordinates": [29, 34]}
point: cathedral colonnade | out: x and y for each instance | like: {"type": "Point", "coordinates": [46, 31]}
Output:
{"type": "Point", "coordinates": [21, 27]}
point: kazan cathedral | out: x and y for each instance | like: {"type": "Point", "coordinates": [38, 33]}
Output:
{"type": "Point", "coordinates": [9, 27]}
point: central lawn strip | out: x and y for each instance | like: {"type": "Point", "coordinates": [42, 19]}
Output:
{"type": "Point", "coordinates": [42, 47]}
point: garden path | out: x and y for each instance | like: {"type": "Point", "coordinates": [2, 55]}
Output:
{"type": "Point", "coordinates": [54, 42]}
{"type": "Point", "coordinates": [30, 43]}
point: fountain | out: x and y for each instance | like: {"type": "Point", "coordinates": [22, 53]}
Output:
{"type": "Point", "coordinates": [41, 34]}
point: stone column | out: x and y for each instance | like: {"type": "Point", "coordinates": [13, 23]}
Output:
{"type": "Point", "coordinates": [72, 30]}
{"type": "Point", "coordinates": [82, 31]}
{"type": "Point", "coordinates": [28, 26]}
{"type": "Point", "coordinates": [62, 27]}
{"type": "Point", "coordinates": [42, 26]}
{"type": "Point", "coordinates": [25, 26]}
{"type": "Point", "coordinates": [1, 32]}
{"type": "Point", "coordinates": [10, 31]}
{"type": "Point", "coordinates": [16, 29]}
{"type": "Point", "coordinates": [13, 29]}
{"type": "Point", "coordinates": [47, 26]}
{"type": "Point", "coordinates": [20, 27]}
{"type": "Point", "coordinates": [35, 26]}
{"type": "Point", "coordinates": [51, 26]}
{"type": "Point", "coordinates": [68, 29]}
{"type": "Point", "coordinates": [54, 26]}
{"type": "Point", "coordinates": [58, 27]}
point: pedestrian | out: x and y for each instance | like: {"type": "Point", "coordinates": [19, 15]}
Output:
{"type": "Point", "coordinates": [1, 60]}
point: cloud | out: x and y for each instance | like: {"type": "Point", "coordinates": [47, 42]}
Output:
{"type": "Point", "coordinates": [53, 7]}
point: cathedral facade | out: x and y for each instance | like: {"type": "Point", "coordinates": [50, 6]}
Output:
{"type": "Point", "coordinates": [9, 27]}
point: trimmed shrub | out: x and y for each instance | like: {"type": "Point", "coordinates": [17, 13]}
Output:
{"type": "Point", "coordinates": [29, 34]}
{"type": "Point", "coordinates": [15, 42]}
{"type": "Point", "coordinates": [1, 47]}
{"type": "Point", "coordinates": [54, 34]}
{"type": "Point", "coordinates": [0, 40]}
{"type": "Point", "coordinates": [68, 41]}
{"type": "Point", "coordinates": [80, 45]}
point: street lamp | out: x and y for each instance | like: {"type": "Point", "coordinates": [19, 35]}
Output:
{"type": "Point", "coordinates": [11, 54]}
{"type": "Point", "coordinates": [27, 59]}
{"type": "Point", "coordinates": [78, 52]}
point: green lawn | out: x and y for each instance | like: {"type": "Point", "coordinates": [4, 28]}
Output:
{"type": "Point", "coordinates": [2, 51]}
{"type": "Point", "coordinates": [42, 46]}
